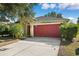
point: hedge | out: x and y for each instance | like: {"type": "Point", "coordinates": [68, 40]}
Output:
{"type": "Point", "coordinates": [68, 31]}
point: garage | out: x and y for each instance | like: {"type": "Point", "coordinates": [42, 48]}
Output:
{"type": "Point", "coordinates": [46, 27]}
{"type": "Point", "coordinates": [47, 30]}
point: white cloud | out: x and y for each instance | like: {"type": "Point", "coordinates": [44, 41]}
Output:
{"type": "Point", "coordinates": [74, 6]}
{"type": "Point", "coordinates": [61, 6]}
{"type": "Point", "coordinates": [68, 6]}
{"type": "Point", "coordinates": [72, 19]}
{"type": "Point", "coordinates": [46, 6]}
{"type": "Point", "coordinates": [52, 6]}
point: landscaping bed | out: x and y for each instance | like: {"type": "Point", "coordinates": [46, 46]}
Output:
{"type": "Point", "coordinates": [69, 40]}
{"type": "Point", "coordinates": [68, 48]}
{"type": "Point", "coordinates": [7, 41]}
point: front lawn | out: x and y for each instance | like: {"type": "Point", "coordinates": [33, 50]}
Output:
{"type": "Point", "coordinates": [68, 49]}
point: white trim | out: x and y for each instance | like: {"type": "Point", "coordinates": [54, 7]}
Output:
{"type": "Point", "coordinates": [45, 23]}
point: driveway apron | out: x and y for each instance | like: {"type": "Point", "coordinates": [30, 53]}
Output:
{"type": "Point", "coordinates": [35, 46]}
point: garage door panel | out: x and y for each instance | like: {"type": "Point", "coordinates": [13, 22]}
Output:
{"type": "Point", "coordinates": [47, 30]}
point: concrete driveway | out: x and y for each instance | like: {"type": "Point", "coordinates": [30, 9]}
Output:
{"type": "Point", "coordinates": [37, 46]}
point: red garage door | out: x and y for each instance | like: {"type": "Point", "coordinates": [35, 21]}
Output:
{"type": "Point", "coordinates": [51, 30]}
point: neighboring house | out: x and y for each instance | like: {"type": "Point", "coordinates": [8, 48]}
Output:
{"type": "Point", "coordinates": [45, 27]}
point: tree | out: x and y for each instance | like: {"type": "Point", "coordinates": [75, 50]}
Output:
{"type": "Point", "coordinates": [59, 15]}
{"type": "Point", "coordinates": [48, 14]}
{"type": "Point", "coordinates": [10, 10]}
{"type": "Point", "coordinates": [78, 20]}
{"type": "Point", "coordinates": [23, 11]}
{"type": "Point", "coordinates": [54, 14]}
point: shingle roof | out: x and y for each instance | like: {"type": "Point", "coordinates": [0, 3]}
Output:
{"type": "Point", "coordinates": [49, 19]}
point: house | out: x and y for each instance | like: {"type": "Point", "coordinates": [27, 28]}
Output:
{"type": "Point", "coordinates": [45, 27]}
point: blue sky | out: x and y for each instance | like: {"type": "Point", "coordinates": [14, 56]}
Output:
{"type": "Point", "coordinates": [69, 10]}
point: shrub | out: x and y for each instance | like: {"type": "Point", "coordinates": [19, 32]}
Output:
{"type": "Point", "coordinates": [68, 31]}
{"type": "Point", "coordinates": [77, 36]}
{"type": "Point", "coordinates": [4, 29]}
{"type": "Point", "coordinates": [7, 29]}
{"type": "Point", "coordinates": [17, 30]}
